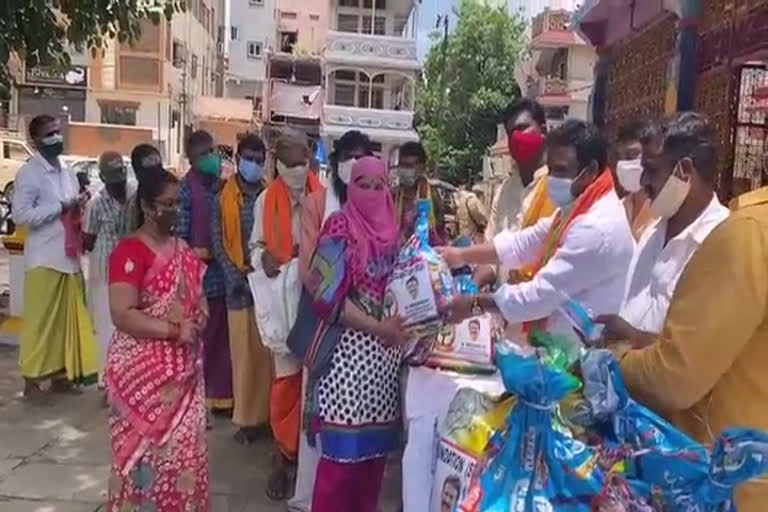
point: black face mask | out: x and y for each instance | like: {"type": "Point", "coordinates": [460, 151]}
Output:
{"type": "Point", "coordinates": [52, 151]}
{"type": "Point", "coordinates": [166, 219]}
{"type": "Point", "coordinates": [117, 190]}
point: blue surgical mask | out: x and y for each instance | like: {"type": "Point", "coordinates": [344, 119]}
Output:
{"type": "Point", "coordinates": [559, 190]}
{"type": "Point", "coordinates": [250, 171]}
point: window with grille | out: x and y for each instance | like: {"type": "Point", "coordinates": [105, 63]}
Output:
{"type": "Point", "coordinates": [354, 90]}
{"type": "Point", "coordinates": [348, 23]}
{"type": "Point", "coordinates": [288, 41]}
{"type": "Point", "coordinates": [286, 15]}
{"type": "Point", "coordinates": [178, 54]}
{"type": "Point", "coordinates": [254, 49]}
{"type": "Point", "coordinates": [379, 25]}
{"type": "Point", "coordinates": [233, 33]}
{"type": "Point", "coordinates": [118, 113]}
{"type": "Point", "coordinates": [193, 67]}
{"type": "Point", "coordinates": [259, 3]}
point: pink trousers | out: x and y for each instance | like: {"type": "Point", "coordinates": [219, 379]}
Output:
{"type": "Point", "coordinates": [348, 487]}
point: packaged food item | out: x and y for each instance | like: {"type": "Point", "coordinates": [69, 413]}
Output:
{"type": "Point", "coordinates": [465, 347]}
{"type": "Point", "coordinates": [534, 463]}
{"type": "Point", "coordinates": [472, 419]}
{"type": "Point", "coordinates": [581, 320]}
{"type": "Point", "coordinates": [627, 459]}
{"type": "Point", "coordinates": [420, 286]}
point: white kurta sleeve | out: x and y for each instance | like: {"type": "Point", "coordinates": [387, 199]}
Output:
{"type": "Point", "coordinates": [256, 242]}
{"type": "Point", "coordinates": [517, 249]}
{"type": "Point", "coordinates": [579, 264]}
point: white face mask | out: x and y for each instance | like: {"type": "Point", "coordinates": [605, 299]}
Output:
{"type": "Point", "coordinates": [345, 170]}
{"type": "Point", "coordinates": [671, 196]}
{"type": "Point", "coordinates": [629, 172]}
{"type": "Point", "coordinates": [294, 177]}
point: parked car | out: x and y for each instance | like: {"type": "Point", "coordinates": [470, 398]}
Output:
{"type": "Point", "coordinates": [14, 152]}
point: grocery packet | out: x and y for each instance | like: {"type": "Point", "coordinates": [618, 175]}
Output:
{"type": "Point", "coordinates": [466, 347]}
{"type": "Point", "coordinates": [534, 463]}
{"type": "Point", "coordinates": [420, 287]}
{"type": "Point", "coordinates": [655, 461]}
{"type": "Point", "coordinates": [471, 420]}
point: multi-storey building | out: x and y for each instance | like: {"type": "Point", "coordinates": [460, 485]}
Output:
{"type": "Point", "coordinates": [251, 35]}
{"type": "Point", "coordinates": [154, 83]}
{"type": "Point", "coordinates": [370, 71]}
{"type": "Point", "coordinates": [559, 68]}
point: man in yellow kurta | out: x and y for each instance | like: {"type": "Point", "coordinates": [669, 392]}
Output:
{"type": "Point", "coordinates": [706, 371]}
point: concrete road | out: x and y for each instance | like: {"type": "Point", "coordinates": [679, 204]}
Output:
{"type": "Point", "coordinates": [56, 458]}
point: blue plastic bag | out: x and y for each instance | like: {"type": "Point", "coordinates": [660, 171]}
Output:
{"type": "Point", "coordinates": [662, 465]}
{"type": "Point", "coordinates": [534, 463]}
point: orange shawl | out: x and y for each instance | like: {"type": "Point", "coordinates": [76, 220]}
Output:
{"type": "Point", "coordinates": [563, 220]}
{"type": "Point", "coordinates": [278, 211]}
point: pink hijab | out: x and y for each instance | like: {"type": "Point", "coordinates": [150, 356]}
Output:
{"type": "Point", "coordinates": [370, 213]}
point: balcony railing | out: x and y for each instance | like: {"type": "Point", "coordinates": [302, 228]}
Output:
{"type": "Point", "coordinates": [367, 118]}
{"type": "Point", "coordinates": [371, 50]}
{"type": "Point", "coordinates": [553, 86]}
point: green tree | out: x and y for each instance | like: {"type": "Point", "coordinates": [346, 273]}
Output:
{"type": "Point", "coordinates": [40, 32]}
{"type": "Point", "coordinates": [467, 80]}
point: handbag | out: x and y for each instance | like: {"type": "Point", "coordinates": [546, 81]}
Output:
{"type": "Point", "coordinates": [312, 339]}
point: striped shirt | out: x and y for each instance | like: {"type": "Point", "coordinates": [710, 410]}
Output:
{"type": "Point", "coordinates": [107, 219]}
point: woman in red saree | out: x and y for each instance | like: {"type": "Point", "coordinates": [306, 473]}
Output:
{"type": "Point", "coordinates": [154, 368]}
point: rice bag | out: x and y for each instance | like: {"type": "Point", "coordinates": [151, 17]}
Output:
{"type": "Point", "coordinates": [468, 346]}
{"type": "Point", "coordinates": [472, 419]}
{"type": "Point", "coordinates": [534, 463]}
{"type": "Point", "coordinates": [421, 285]}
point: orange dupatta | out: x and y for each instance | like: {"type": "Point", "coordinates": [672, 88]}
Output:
{"type": "Point", "coordinates": [594, 192]}
{"type": "Point", "coordinates": [278, 234]}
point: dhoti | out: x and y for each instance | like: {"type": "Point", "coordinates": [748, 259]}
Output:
{"type": "Point", "coordinates": [98, 306]}
{"type": "Point", "coordinates": [251, 370]}
{"type": "Point", "coordinates": [56, 333]}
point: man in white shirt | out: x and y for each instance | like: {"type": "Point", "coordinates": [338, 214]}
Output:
{"type": "Point", "coordinates": [274, 244]}
{"type": "Point", "coordinates": [678, 176]}
{"type": "Point", "coordinates": [582, 252]}
{"type": "Point", "coordinates": [56, 339]}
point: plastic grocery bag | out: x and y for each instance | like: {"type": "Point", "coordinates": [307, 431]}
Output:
{"type": "Point", "coordinates": [534, 464]}
{"type": "Point", "coordinates": [655, 460]}
{"type": "Point", "coordinates": [420, 286]}
{"type": "Point", "coordinates": [471, 420]}
{"type": "Point", "coordinates": [275, 303]}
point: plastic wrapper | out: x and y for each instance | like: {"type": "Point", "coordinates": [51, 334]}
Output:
{"type": "Point", "coordinates": [420, 287]}
{"type": "Point", "coordinates": [472, 419]}
{"type": "Point", "coordinates": [534, 463]}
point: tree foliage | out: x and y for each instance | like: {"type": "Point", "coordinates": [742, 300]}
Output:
{"type": "Point", "coordinates": [41, 32]}
{"type": "Point", "coordinates": [466, 82]}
